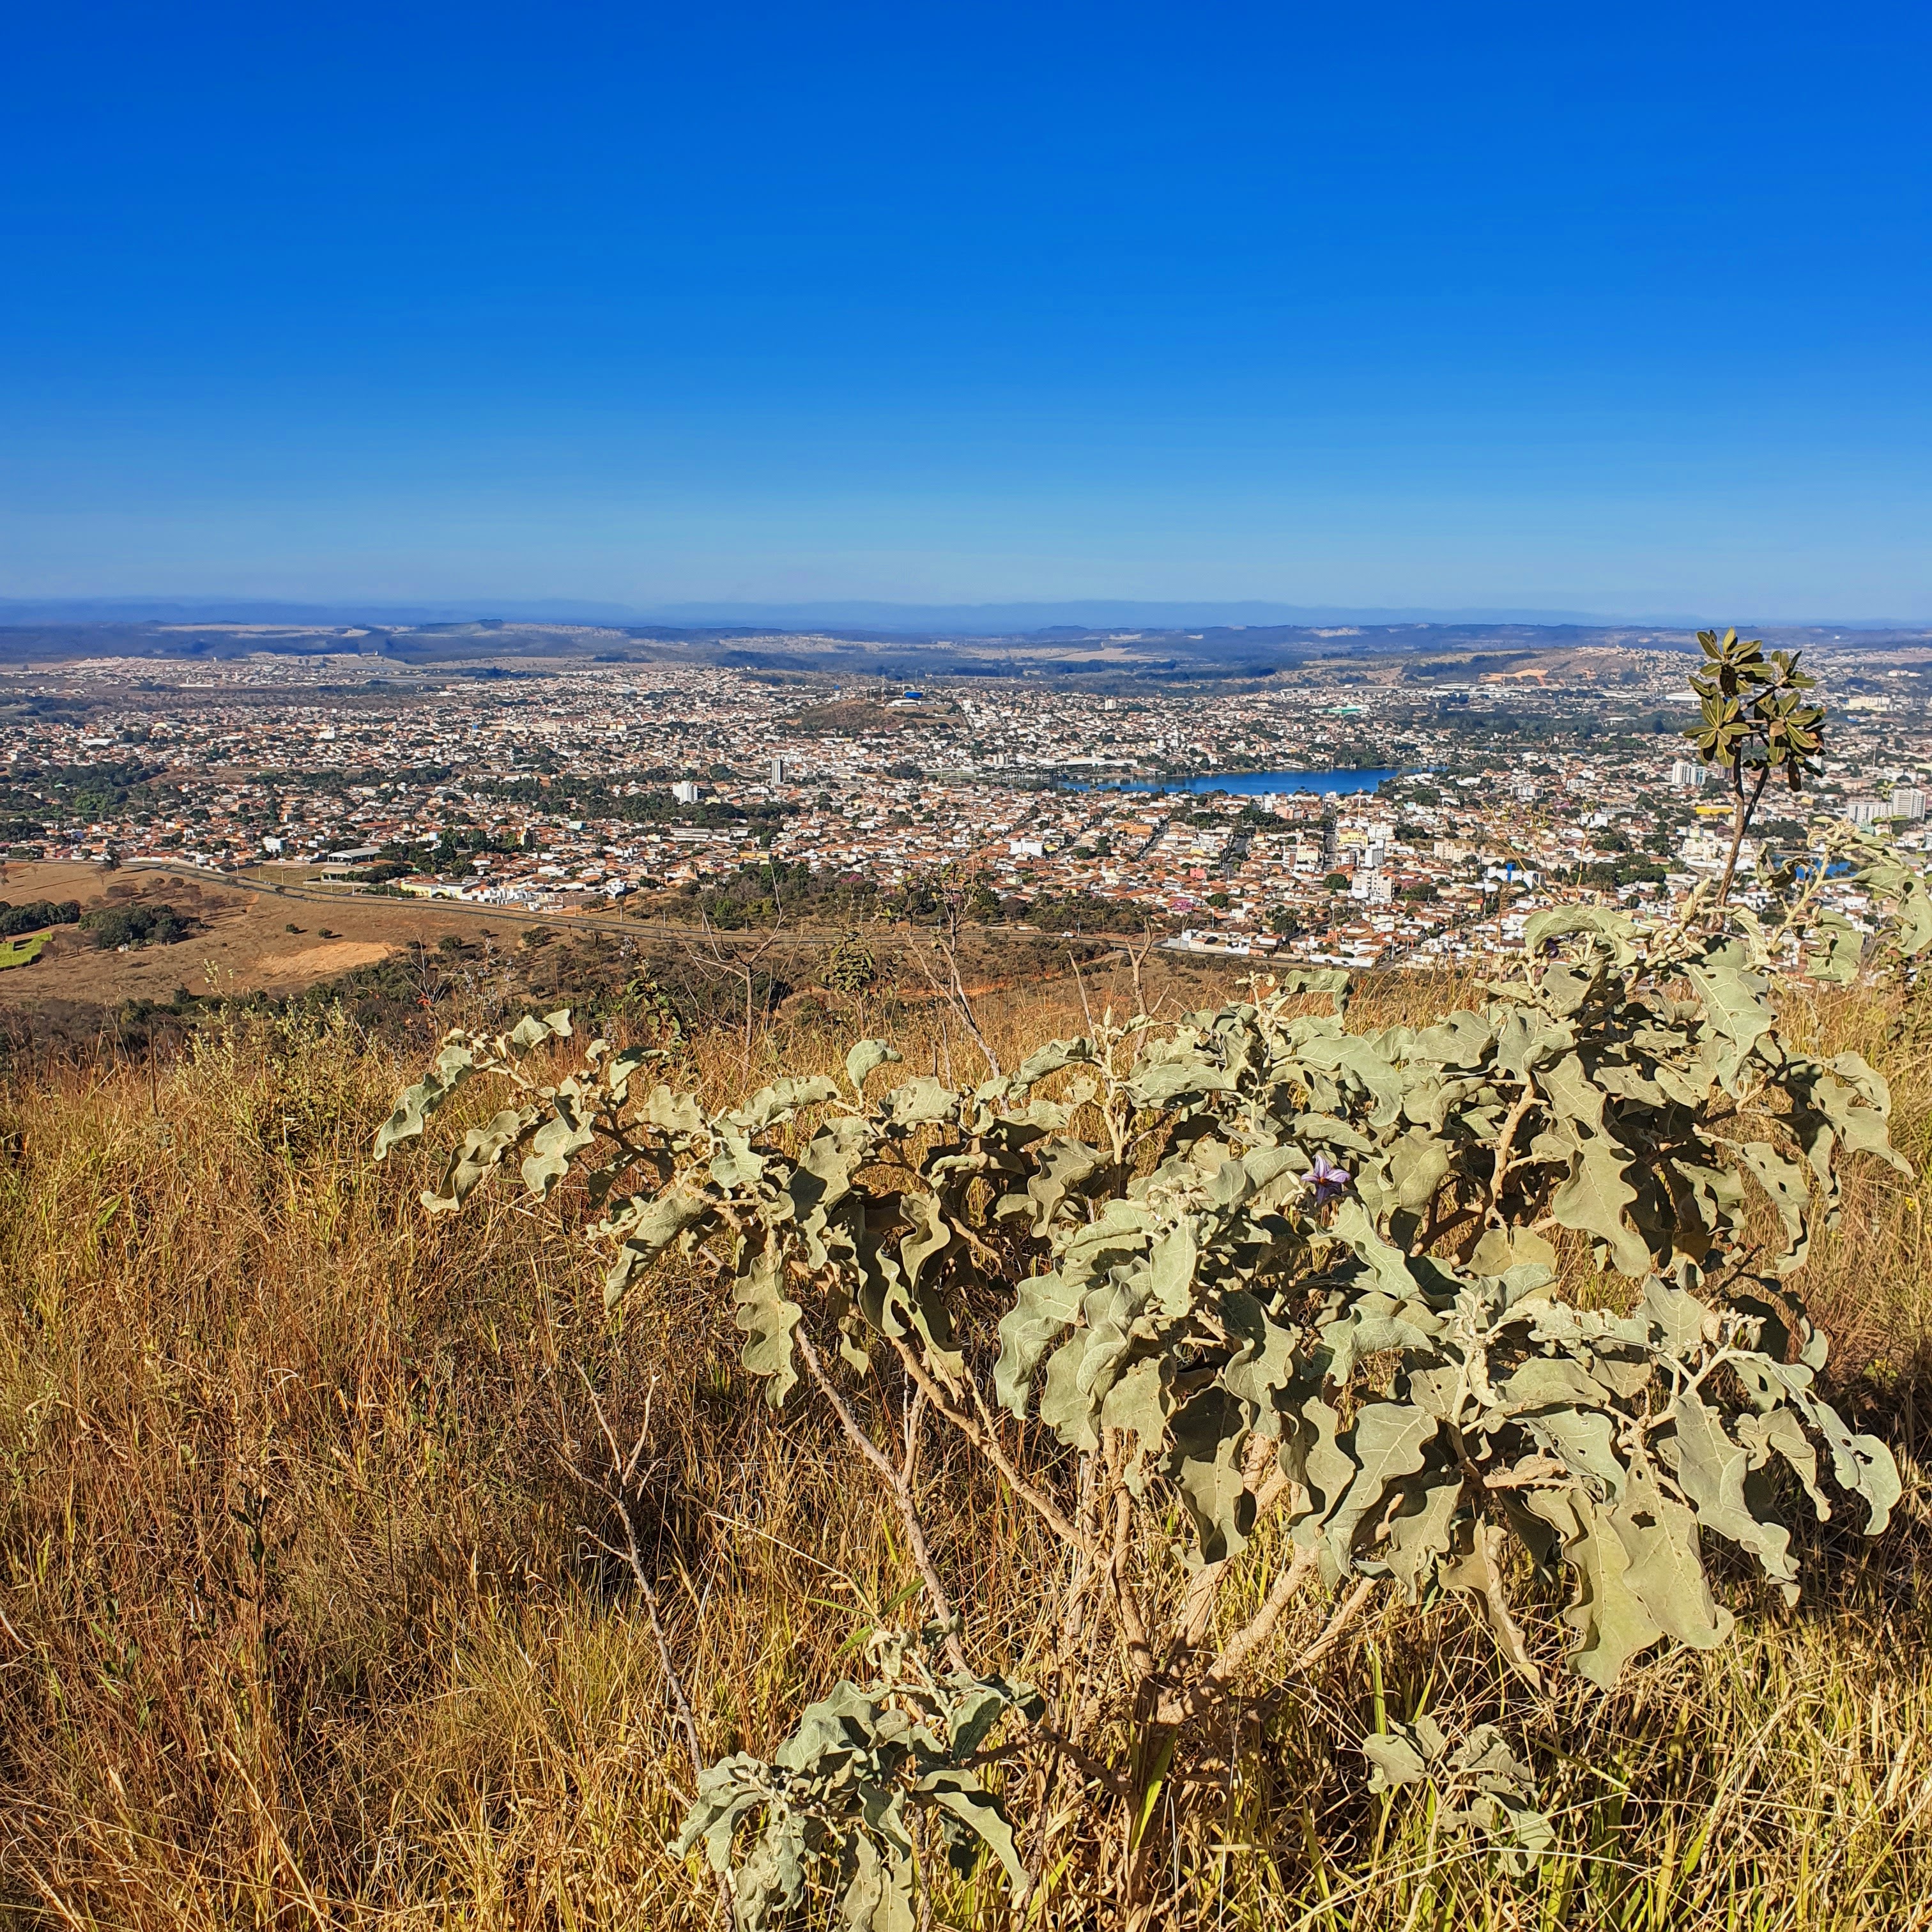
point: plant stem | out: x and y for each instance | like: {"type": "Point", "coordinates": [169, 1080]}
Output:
{"type": "Point", "coordinates": [1741, 820]}
{"type": "Point", "coordinates": [902, 1494]}
{"type": "Point", "coordinates": [984, 1437]}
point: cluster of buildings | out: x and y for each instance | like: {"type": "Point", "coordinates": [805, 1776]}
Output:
{"type": "Point", "coordinates": [1337, 816]}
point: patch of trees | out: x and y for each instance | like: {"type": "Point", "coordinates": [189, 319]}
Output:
{"type": "Point", "coordinates": [33, 914]}
{"type": "Point", "coordinates": [763, 895]}
{"type": "Point", "coordinates": [589, 799]}
{"type": "Point", "coordinates": [1077, 912]}
{"type": "Point", "coordinates": [114, 926]}
{"type": "Point", "coordinates": [79, 791]}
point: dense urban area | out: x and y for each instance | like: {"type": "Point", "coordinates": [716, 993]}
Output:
{"type": "Point", "coordinates": [1336, 815]}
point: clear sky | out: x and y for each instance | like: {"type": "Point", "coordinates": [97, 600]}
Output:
{"type": "Point", "coordinates": [1623, 308]}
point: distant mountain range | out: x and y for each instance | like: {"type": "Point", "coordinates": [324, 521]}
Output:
{"type": "Point", "coordinates": [901, 620]}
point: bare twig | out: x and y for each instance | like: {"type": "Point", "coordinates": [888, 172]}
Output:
{"type": "Point", "coordinates": [1133, 1623]}
{"type": "Point", "coordinates": [915, 1416]}
{"type": "Point", "coordinates": [739, 963]}
{"type": "Point", "coordinates": [984, 1436]}
{"type": "Point", "coordinates": [952, 988]}
{"type": "Point", "coordinates": [1136, 959]}
{"type": "Point", "coordinates": [895, 1480]}
{"type": "Point", "coordinates": [1333, 1632]}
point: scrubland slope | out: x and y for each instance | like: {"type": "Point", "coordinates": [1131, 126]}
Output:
{"type": "Point", "coordinates": [305, 1616]}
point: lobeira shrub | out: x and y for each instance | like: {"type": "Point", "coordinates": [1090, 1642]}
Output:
{"type": "Point", "coordinates": [1284, 1300]}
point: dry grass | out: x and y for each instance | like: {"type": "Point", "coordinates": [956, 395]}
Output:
{"type": "Point", "coordinates": [299, 1623]}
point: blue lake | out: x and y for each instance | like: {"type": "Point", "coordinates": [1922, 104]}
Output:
{"type": "Point", "coordinates": [1253, 784]}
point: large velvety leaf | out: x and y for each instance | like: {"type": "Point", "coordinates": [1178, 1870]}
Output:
{"type": "Point", "coordinates": [1711, 1468]}
{"type": "Point", "coordinates": [1594, 1201]}
{"type": "Point", "coordinates": [768, 1317]}
{"type": "Point", "coordinates": [454, 1065]}
{"type": "Point", "coordinates": [1665, 1573]}
{"type": "Point", "coordinates": [1045, 1306]}
{"type": "Point", "coordinates": [1387, 1444]}
{"type": "Point", "coordinates": [782, 1097]}
{"type": "Point", "coordinates": [481, 1152]}
{"type": "Point", "coordinates": [646, 1225]}
{"type": "Point", "coordinates": [864, 1057]}
{"type": "Point", "coordinates": [1612, 1623]}
{"type": "Point", "coordinates": [1421, 1531]}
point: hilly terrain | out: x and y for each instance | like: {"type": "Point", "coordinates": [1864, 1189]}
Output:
{"type": "Point", "coordinates": [1099, 656]}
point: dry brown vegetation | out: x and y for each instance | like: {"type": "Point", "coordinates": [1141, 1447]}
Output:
{"type": "Point", "coordinates": [304, 1619]}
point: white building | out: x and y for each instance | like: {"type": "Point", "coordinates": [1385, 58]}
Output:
{"type": "Point", "coordinates": [685, 791]}
{"type": "Point", "coordinates": [1689, 774]}
{"type": "Point", "coordinates": [1372, 887]}
{"type": "Point", "coordinates": [1907, 802]}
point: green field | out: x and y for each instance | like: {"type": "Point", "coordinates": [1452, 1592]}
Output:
{"type": "Point", "coordinates": [21, 952]}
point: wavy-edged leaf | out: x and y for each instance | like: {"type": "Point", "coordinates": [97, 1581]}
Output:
{"type": "Point", "coordinates": [675, 1113]}
{"type": "Point", "coordinates": [781, 1097]}
{"type": "Point", "coordinates": [1422, 1527]}
{"type": "Point", "coordinates": [1666, 1573]}
{"type": "Point", "coordinates": [768, 1318]}
{"type": "Point", "coordinates": [1044, 1307]}
{"type": "Point", "coordinates": [1710, 1469]}
{"type": "Point", "coordinates": [1477, 1568]}
{"type": "Point", "coordinates": [1595, 1200]}
{"type": "Point", "coordinates": [553, 1147]}
{"type": "Point", "coordinates": [921, 1100]}
{"type": "Point", "coordinates": [1386, 1445]}
{"type": "Point", "coordinates": [1612, 1624]}
{"type": "Point", "coordinates": [1783, 1182]}
{"type": "Point", "coordinates": [865, 1056]}
{"type": "Point", "coordinates": [481, 1152]}
{"type": "Point", "coordinates": [647, 1224]}
{"type": "Point", "coordinates": [454, 1065]}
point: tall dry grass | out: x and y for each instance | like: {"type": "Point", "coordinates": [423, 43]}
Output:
{"type": "Point", "coordinates": [306, 1618]}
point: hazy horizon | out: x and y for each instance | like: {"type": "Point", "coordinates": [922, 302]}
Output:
{"type": "Point", "coordinates": [989, 618]}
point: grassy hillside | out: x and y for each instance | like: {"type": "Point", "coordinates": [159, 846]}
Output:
{"type": "Point", "coordinates": [307, 1617]}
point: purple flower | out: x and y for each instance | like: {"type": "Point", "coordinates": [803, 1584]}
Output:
{"type": "Point", "coordinates": [1330, 1181]}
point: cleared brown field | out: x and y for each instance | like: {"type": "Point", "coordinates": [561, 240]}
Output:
{"type": "Point", "coordinates": [244, 946]}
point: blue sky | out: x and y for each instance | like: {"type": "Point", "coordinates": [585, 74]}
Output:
{"type": "Point", "coordinates": [1624, 309]}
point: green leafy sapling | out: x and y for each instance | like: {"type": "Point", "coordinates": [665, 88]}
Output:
{"type": "Point", "coordinates": [1757, 722]}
